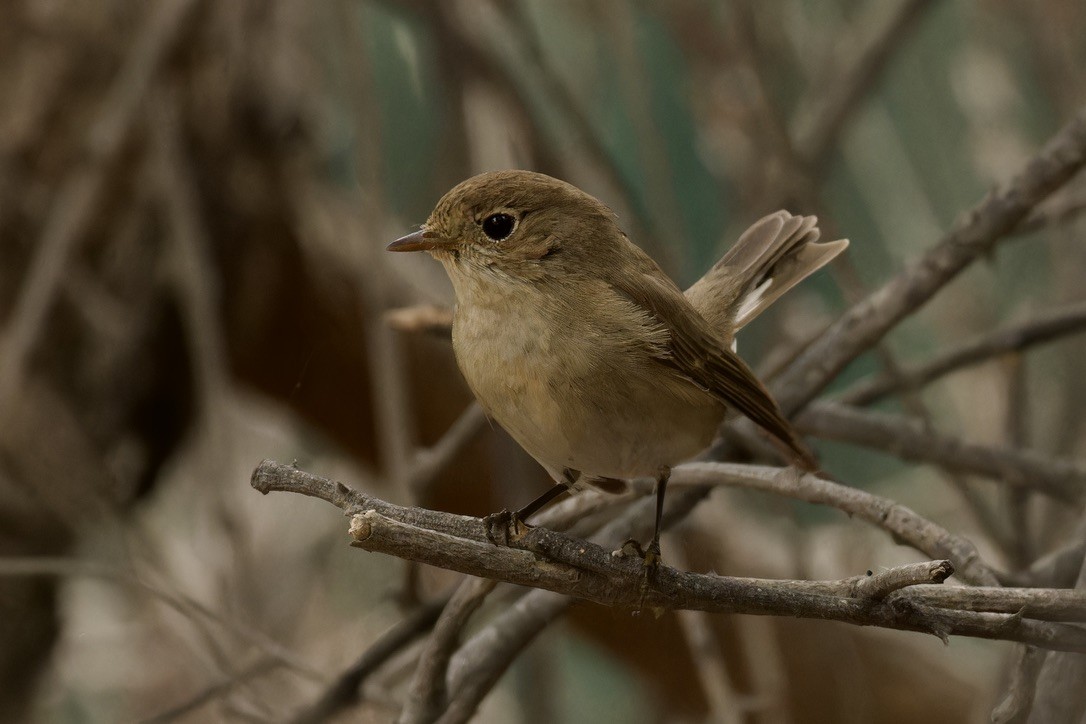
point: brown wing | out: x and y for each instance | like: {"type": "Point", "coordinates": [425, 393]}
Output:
{"type": "Point", "coordinates": [697, 353]}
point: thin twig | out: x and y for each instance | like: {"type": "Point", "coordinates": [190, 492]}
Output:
{"type": "Point", "coordinates": [840, 92]}
{"type": "Point", "coordinates": [213, 692]}
{"type": "Point", "coordinates": [907, 439]}
{"type": "Point", "coordinates": [877, 586]}
{"type": "Point", "coordinates": [479, 664]}
{"type": "Point", "coordinates": [709, 663]}
{"type": "Point", "coordinates": [51, 566]}
{"type": "Point", "coordinates": [1067, 207]}
{"type": "Point", "coordinates": [972, 237]}
{"type": "Point", "coordinates": [1015, 706]}
{"type": "Point", "coordinates": [1039, 329]}
{"type": "Point", "coordinates": [903, 524]}
{"type": "Point", "coordinates": [81, 191]}
{"type": "Point", "coordinates": [427, 697]}
{"type": "Point", "coordinates": [344, 692]}
{"type": "Point", "coordinates": [580, 568]}
{"type": "Point", "coordinates": [429, 462]}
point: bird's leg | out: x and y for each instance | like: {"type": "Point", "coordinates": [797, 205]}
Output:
{"type": "Point", "coordinates": [499, 524]}
{"type": "Point", "coordinates": [650, 555]}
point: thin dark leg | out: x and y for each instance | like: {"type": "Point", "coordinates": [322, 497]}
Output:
{"type": "Point", "coordinates": [662, 477]}
{"type": "Point", "coordinates": [661, 488]}
{"type": "Point", "coordinates": [498, 524]}
{"type": "Point", "coordinates": [553, 492]}
{"type": "Point", "coordinates": [651, 556]}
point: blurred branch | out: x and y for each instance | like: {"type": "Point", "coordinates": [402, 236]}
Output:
{"type": "Point", "coordinates": [186, 606]}
{"type": "Point", "coordinates": [81, 191]}
{"type": "Point", "coordinates": [709, 663]}
{"type": "Point", "coordinates": [545, 559]}
{"type": "Point", "coordinates": [973, 236]}
{"type": "Point", "coordinates": [908, 439]}
{"type": "Point", "coordinates": [479, 664]}
{"type": "Point", "coordinates": [429, 462]}
{"type": "Point", "coordinates": [1041, 328]}
{"type": "Point", "coordinates": [1060, 697]}
{"type": "Point", "coordinates": [1058, 211]}
{"type": "Point", "coordinates": [841, 90]}
{"type": "Point", "coordinates": [345, 690]}
{"type": "Point", "coordinates": [213, 692]}
{"type": "Point", "coordinates": [427, 697]}
{"type": "Point", "coordinates": [1016, 704]}
{"type": "Point", "coordinates": [427, 318]}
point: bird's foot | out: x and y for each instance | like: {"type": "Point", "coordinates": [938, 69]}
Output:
{"type": "Point", "coordinates": [650, 562]}
{"type": "Point", "coordinates": [504, 527]}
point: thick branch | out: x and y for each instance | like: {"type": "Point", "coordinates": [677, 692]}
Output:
{"type": "Point", "coordinates": [559, 563]}
{"type": "Point", "coordinates": [972, 237]}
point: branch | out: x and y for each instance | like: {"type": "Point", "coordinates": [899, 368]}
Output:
{"type": "Point", "coordinates": [842, 90]}
{"type": "Point", "coordinates": [544, 559]}
{"type": "Point", "coordinates": [344, 691]}
{"type": "Point", "coordinates": [972, 237]}
{"type": "Point", "coordinates": [903, 524]}
{"type": "Point", "coordinates": [1066, 208]}
{"type": "Point", "coordinates": [1042, 328]}
{"type": "Point", "coordinates": [907, 439]}
{"type": "Point", "coordinates": [82, 190]}
{"type": "Point", "coordinates": [428, 697]}
{"type": "Point", "coordinates": [1016, 704]}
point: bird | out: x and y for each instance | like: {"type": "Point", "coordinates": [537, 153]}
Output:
{"type": "Point", "coordinates": [581, 347]}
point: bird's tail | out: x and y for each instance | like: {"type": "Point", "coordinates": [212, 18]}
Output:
{"type": "Point", "coordinates": [776, 253]}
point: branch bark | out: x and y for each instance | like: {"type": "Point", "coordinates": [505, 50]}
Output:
{"type": "Point", "coordinates": [1042, 328]}
{"type": "Point", "coordinates": [907, 439]}
{"type": "Point", "coordinates": [544, 559]}
{"type": "Point", "coordinates": [973, 236]}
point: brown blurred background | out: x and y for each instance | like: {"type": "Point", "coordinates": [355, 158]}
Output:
{"type": "Point", "coordinates": [194, 203]}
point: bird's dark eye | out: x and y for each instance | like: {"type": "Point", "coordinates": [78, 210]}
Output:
{"type": "Point", "coordinates": [498, 226]}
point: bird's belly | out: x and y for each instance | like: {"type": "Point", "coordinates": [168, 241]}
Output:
{"type": "Point", "coordinates": [571, 403]}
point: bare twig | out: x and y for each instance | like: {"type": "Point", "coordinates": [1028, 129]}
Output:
{"type": "Point", "coordinates": [840, 91]}
{"type": "Point", "coordinates": [905, 438]}
{"type": "Point", "coordinates": [1016, 704]}
{"type": "Point", "coordinates": [1060, 697]}
{"type": "Point", "coordinates": [709, 664]}
{"type": "Point", "coordinates": [427, 318]}
{"type": "Point", "coordinates": [878, 586]}
{"type": "Point", "coordinates": [428, 696]}
{"type": "Point", "coordinates": [1067, 207]}
{"type": "Point", "coordinates": [213, 692]}
{"type": "Point", "coordinates": [545, 559]}
{"type": "Point", "coordinates": [905, 525]}
{"type": "Point", "coordinates": [49, 566]}
{"type": "Point", "coordinates": [479, 664]}
{"type": "Point", "coordinates": [344, 691]}
{"type": "Point", "coordinates": [430, 461]}
{"type": "Point", "coordinates": [973, 236]}
{"type": "Point", "coordinates": [80, 193]}
{"type": "Point", "coordinates": [1042, 328]}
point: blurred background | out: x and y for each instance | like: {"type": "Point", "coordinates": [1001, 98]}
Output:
{"type": "Point", "coordinates": [195, 198]}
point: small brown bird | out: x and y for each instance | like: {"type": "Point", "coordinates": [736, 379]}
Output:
{"type": "Point", "coordinates": [579, 345]}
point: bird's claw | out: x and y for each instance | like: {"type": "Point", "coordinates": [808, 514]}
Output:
{"type": "Point", "coordinates": [503, 527]}
{"type": "Point", "coordinates": [650, 562]}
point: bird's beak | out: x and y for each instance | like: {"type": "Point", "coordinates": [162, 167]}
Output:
{"type": "Point", "coordinates": [421, 241]}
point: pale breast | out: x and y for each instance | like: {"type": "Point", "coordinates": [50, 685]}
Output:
{"type": "Point", "coordinates": [579, 387]}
